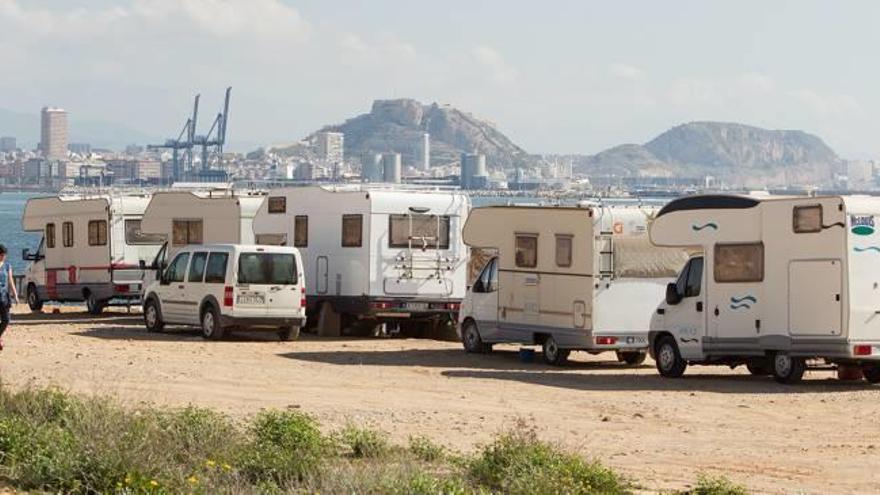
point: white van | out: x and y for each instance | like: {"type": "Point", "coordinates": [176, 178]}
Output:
{"type": "Point", "coordinates": [221, 287]}
{"type": "Point", "coordinates": [565, 278]}
{"type": "Point", "coordinates": [373, 254]}
{"type": "Point", "coordinates": [773, 283]}
{"type": "Point", "coordinates": [91, 248]}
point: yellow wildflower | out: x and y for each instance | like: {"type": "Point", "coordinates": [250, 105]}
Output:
{"type": "Point", "coordinates": [227, 467]}
{"type": "Point", "coordinates": [154, 483]}
{"type": "Point", "coordinates": [209, 463]}
{"type": "Point", "coordinates": [193, 480]}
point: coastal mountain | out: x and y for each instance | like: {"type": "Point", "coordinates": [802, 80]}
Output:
{"type": "Point", "coordinates": [399, 126]}
{"type": "Point", "coordinates": [740, 154]}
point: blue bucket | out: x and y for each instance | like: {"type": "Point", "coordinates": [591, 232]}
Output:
{"type": "Point", "coordinates": [526, 355]}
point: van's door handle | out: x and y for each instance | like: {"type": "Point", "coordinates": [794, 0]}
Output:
{"type": "Point", "coordinates": [716, 311]}
{"type": "Point", "coordinates": [699, 306]}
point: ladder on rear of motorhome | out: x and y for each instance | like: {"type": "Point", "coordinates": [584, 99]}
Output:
{"type": "Point", "coordinates": [605, 245]}
{"type": "Point", "coordinates": [413, 260]}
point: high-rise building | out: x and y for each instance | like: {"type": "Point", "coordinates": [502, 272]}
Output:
{"type": "Point", "coordinates": [474, 174]}
{"type": "Point", "coordinates": [53, 133]}
{"type": "Point", "coordinates": [391, 167]}
{"type": "Point", "coordinates": [331, 146]}
{"type": "Point", "coordinates": [7, 144]}
{"type": "Point", "coordinates": [426, 152]}
{"type": "Point", "coordinates": [371, 167]}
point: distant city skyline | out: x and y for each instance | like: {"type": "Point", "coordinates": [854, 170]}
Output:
{"type": "Point", "coordinates": [562, 77]}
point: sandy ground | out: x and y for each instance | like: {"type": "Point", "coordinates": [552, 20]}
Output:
{"type": "Point", "coordinates": [822, 436]}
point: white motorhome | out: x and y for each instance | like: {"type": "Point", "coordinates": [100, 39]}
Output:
{"type": "Point", "coordinates": [90, 251]}
{"type": "Point", "coordinates": [182, 218]}
{"type": "Point", "coordinates": [772, 284]}
{"type": "Point", "coordinates": [372, 254]}
{"type": "Point", "coordinates": [566, 278]}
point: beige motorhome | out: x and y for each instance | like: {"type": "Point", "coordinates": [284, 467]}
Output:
{"type": "Point", "coordinates": [565, 278]}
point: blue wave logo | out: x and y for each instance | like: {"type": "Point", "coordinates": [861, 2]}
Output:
{"type": "Point", "coordinates": [741, 302]}
{"type": "Point", "coordinates": [859, 249]}
{"type": "Point", "coordinates": [707, 225]}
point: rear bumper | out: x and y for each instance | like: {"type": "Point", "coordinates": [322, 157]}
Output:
{"type": "Point", "coordinates": [267, 321]}
{"type": "Point", "coordinates": [387, 307]}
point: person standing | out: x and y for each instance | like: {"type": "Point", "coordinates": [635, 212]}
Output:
{"type": "Point", "coordinates": [8, 292]}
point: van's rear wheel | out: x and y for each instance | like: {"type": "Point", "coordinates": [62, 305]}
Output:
{"type": "Point", "coordinates": [153, 316]}
{"type": "Point", "coordinates": [211, 328]}
{"type": "Point", "coordinates": [669, 361]}
{"type": "Point", "coordinates": [631, 358]}
{"type": "Point", "coordinates": [33, 298]}
{"type": "Point", "coordinates": [471, 340]}
{"type": "Point", "coordinates": [289, 333]}
{"type": "Point", "coordinates": [93, 305]}
{"type": "Point", "coordinates": [759, 368]}
{"type": "Point", "coordinates": [552, 353]}
{"type": "Point", "coordinates": [871, 372]}
{"type": "Point", "coordinates": [788, 369]}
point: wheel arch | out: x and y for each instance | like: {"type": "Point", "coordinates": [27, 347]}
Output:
{"type": "Point", "coordinates": [653, 337]}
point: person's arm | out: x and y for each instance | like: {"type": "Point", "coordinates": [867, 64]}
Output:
{"type": "Point", "coordinates": [12, 285]}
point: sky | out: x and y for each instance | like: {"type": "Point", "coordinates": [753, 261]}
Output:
{"type": "Point", "coordinates": [555, 76]}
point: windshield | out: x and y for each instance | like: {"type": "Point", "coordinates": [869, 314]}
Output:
{"type": "Point", "coordinates": [267, 268]}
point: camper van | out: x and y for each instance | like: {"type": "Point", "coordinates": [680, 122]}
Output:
{"type": "Point", "coordinates": [565, 278]}
{"type": "Point", "coordinates": [189, 217]}
{"type": "Point", "coordinates": [372, 255]}
{"type": "Point", "coordinates": [90, 251]}
{"type": "Point", "coordinates": [775, 284]}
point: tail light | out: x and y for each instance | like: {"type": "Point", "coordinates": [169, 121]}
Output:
{"type": "Point", "coordinates": [453, 306]}
{"type": "Point", "coordinates": [123, 288]}
{"type": "Point", "coordinates": [606, 340]}
{"type": "Point", "coordinates": [381, 305]}
{"type": "Point", "coordinates": [302, 297]}
{"type": "Point", "coordinates": [862, 350]}
{"type": "Point", "coordinates": [227, 297]}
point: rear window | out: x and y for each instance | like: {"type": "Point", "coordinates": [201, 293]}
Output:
{"type": "Point", "coordinates": [418, 231]}
{"type": "Point", "coordinates": [267, 268]}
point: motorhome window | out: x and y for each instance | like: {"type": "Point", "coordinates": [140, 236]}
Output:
{"type": "Point", "coordinates": [428, 231]}
{"type": "Point", "coordinates": [50, 235]}
{"type": "Point", "coordinates": [215, 273]}
{"type": "Point", "coordinates": [352, 227]}
{"type": "Point", "coordinates": [526, 251]}
{"type": "Point", "coordinates": [491, 283]}
{"type": "Point", "coordinates": [739, 262]}
{"type": "Point", "coordinates": [134, 235]}
{"type": "Point", "coordinates": [301, 231]}
{"type": "Point", "coordinates": [277, 204]}
{"type": "Point", "coordinates": [97, 232]}
{"type": "Point", "coordinates": [271, 239]}
{"type": "Point", "coordinates": [177, 269]}
{"type": "Point", "coordinates": [67, 234]}
{"type": "Point", "coordinates": [197, 267]}
{"type": "Point", "coordinates": [807, 219]}
{"type": "Point", "coordinates": [267, 268]}
{"type": "Point", "coordinates": [563, 251]}
{"type": "Point", "coordinates": [186, 232]}
{"type": "Point", "coordinates": [694, 279]}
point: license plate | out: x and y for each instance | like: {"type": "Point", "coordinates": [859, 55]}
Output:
{"type": "Point", "coordinates": [252, 299]}
{"type": "Point", "coordinates": [416, 306]}
{"type": "Point", "coordinates": [635, 340]}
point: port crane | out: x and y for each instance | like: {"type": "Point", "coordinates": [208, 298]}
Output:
{"type": "Point", "coordinates": [216, 136]}
{"type": "Point", "coordinates": [183, 143]}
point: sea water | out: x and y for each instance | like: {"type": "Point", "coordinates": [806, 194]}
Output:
{"type": "Point", "coordinates": [11, 235]}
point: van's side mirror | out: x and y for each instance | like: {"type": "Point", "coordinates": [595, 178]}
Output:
{"type": "Point", "coordinates": [672, 295]}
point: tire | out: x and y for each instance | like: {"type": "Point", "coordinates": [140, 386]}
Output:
{"type": "Point", "coordinates": [289, 333]}
{"type": "Point", "coordinates": [871, 372]}
{"type": "Point", "coordinates": [631, 358]}
{"type": "Point", "coordinates": [471, 340]}
{"type": "Point", "coordinates": [787, 369]}
{"type": "Point", "coordinates": [669, 361]}
{"type": "Point", "coordinates": [211, 328]}
{"type": "Point", "coordinates": [553, 355]}
{"type": "Point", "coordinates": [153, 316]}
{"type": "Point", "coordinates": [93, 305]}
{"type": "Point", "coordinates": [759, 368]}
{"type": "Point", "coordinates": [33, 299]}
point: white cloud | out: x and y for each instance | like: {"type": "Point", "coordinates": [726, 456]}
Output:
{"type": "Point", "coordinates": [756, 82]}
{"type": "Point", "coordinates": [626, 71]}
{"type": "Point", "coordinates": [500, 71]}
{"type": "Point", "coordinates": [828, 103]}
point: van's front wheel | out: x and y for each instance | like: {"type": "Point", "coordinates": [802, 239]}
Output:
{"type": "Point", "coordinates": [471, 340]}
{"type": "Point", "coordinates": [788, 369]}
{"type": "Point", "coordinates": [211, 328]}
{"type": "Point", "coordinates": [871, 372]}
{"type": "Point", "coordinates": [93, 305]}
{"type": "Point", "coordinates": [33, 299]}
{"type": "Point", "coordinates": [153, 317]}
{"type": "Point", "coordinates": [552, 353]}
{"type": "Point", "coordinates": [669, 361]}
{"type": "Point", "coordinates": [289, 333]}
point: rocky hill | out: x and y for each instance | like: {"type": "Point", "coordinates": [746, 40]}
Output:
{"type": "Point", "coordinates": [398, 125]}
{"type": "Point", "coordinates": [738, 153]}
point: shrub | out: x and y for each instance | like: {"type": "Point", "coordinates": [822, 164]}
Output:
{"type": "Point", "coordinates": [716, 485]}
{"type": "Point", "coordinates": [364, 442]}
{"type": "Point", "coordinates": [422, 483]}
{"type": "Point", "coordinates": [518, 462]}
{"type": "Point", "coordinates": [425, 449]}
{"type": "Point", "coordinates": [287, 446]}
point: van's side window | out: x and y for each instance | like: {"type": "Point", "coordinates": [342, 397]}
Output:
{"type": "Point", "coordinates": [807, 219]}
{"type": "Point", "coordinates": [216, 269]}
{"type": "Point", "coordinates": [526, 251]}
{"type": "Point", "coordinates": [197, 267]}
{"type": "Point", "coordinates": [352, 230]}
{"type": "Point", "coordinates": [177, 269]}
{"type": "Point", "coordinates": [301, 231]}
{"type": "Point", "coordinates": [186, 232]}
{"type": "Point", "coordinates": [563, 250]}
{"type": "Point", "coordinates": [50, 235]}
{"type": "Point", "coordinates": [488, 279]}
{"type": "Point", "coordinates": [67, 234]}
{"type": "Point", "coordinates": [741, 262]}
{"type": "Point", "coordinates": [97, 232]}
{"type": "Point", "coordinates": [694, 282]}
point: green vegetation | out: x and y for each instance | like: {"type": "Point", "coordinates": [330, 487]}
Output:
{"type": "Point", "coordinates": [54, 442]}
{"type": "Point", "coordinates": [715, 485]}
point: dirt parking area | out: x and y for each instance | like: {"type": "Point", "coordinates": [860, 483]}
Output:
{"type": "Point", "coordinates": [822, 436]}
